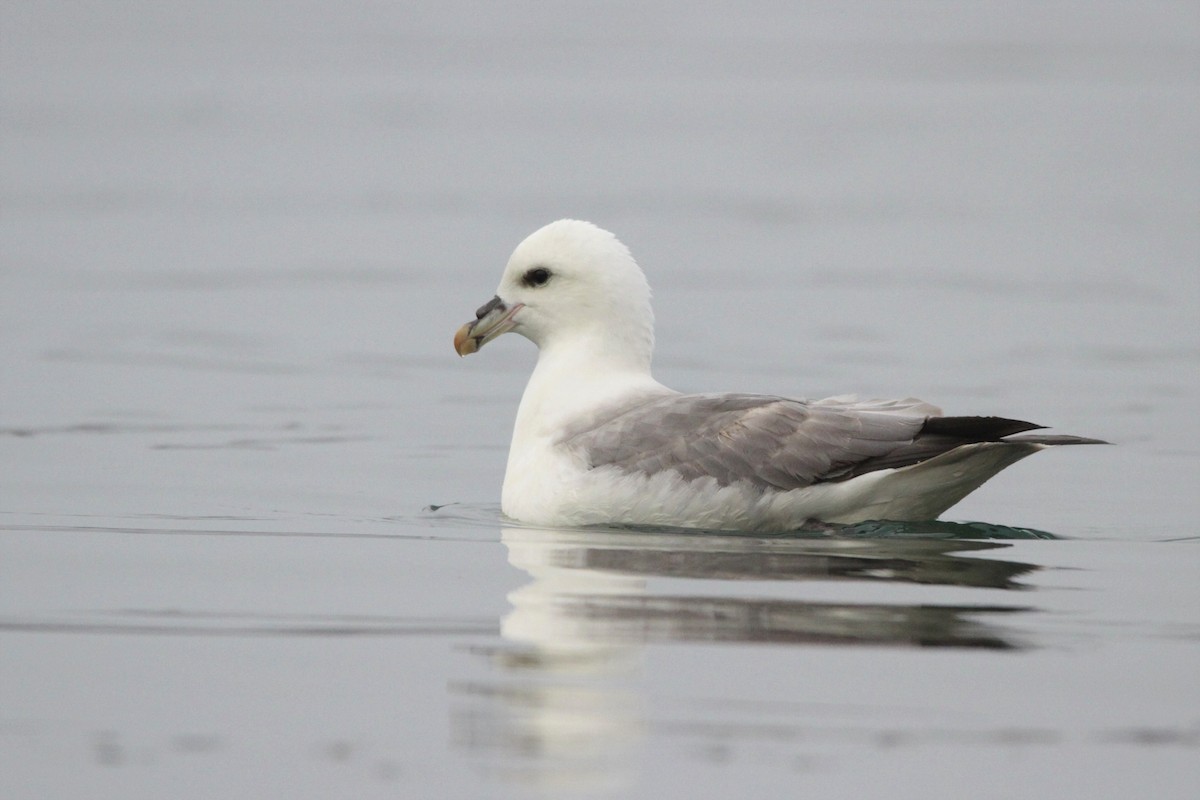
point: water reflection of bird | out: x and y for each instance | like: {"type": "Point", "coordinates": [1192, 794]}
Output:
{"type": "Point", "coordinates": [598, 440]}
{"type": "Point", "coordinates": [594, 589]}
{"type": "Point", "coordinates": [559, 709]}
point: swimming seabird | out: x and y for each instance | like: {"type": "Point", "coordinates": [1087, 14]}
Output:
{"type": "Point", "coordinates": [598, 440]}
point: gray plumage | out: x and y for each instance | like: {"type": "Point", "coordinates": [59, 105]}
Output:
{"type": "Point", "coordinates": [775, 443]}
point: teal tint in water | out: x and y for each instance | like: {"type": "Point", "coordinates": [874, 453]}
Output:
{"type": "Point", "coordinates": [941, 529]}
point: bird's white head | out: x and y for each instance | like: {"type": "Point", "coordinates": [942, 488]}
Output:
{"type": "Point", "coordinates": [570, 284]}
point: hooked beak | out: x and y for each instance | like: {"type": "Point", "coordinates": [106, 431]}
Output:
{"type": "Point", "coordinates": [492, 319]}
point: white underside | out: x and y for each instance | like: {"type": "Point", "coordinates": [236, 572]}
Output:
{"type": "Point", "coordinates": [554, 487]}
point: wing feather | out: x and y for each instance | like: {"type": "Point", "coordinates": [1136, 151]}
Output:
{"type": "Point", "coordinates": [765, 441]}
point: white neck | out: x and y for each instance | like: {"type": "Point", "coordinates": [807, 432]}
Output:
{"type": "Point", "coordinates": [576, 375]}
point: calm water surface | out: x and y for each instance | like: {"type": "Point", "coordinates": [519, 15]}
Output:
{"type": "Point", "coordinates": [249, 536]}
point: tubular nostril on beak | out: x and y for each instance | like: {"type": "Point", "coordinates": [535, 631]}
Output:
{"type": "Point", "coordinates": [489, 307]}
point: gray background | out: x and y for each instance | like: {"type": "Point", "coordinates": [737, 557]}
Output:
{"type": "Point", "coordinates": [237, 240]}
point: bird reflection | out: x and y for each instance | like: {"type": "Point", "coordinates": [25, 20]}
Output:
{"type": "Point", "coordinates": [561, 708]}
{"type": "Point", "coordinates": [593, 590]}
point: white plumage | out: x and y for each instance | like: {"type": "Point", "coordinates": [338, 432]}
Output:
{"type": "Point", "coordinates": [598, 440]}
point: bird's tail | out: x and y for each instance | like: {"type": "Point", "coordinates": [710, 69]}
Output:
{"type": "Point", "coordinates": [1049, 439]}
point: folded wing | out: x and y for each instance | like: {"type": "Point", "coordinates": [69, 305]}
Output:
{"type": "Point", "coordinates": [778, 443]}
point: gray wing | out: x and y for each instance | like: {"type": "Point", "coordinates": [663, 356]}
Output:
{"type": "Point", "coordinates": [770, 442]}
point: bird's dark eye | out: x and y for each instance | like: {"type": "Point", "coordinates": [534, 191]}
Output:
{"type": "Point", "coordinates": [538, 276]}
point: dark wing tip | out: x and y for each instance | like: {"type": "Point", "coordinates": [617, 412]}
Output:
{"type": "Point", "coordinates": [976, 429]}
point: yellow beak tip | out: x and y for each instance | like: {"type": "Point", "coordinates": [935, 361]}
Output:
{"type": "Point", "coordinates": [464, 343]}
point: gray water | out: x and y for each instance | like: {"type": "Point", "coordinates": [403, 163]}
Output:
{"type": "Point", "coordinates": [250, 543]}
